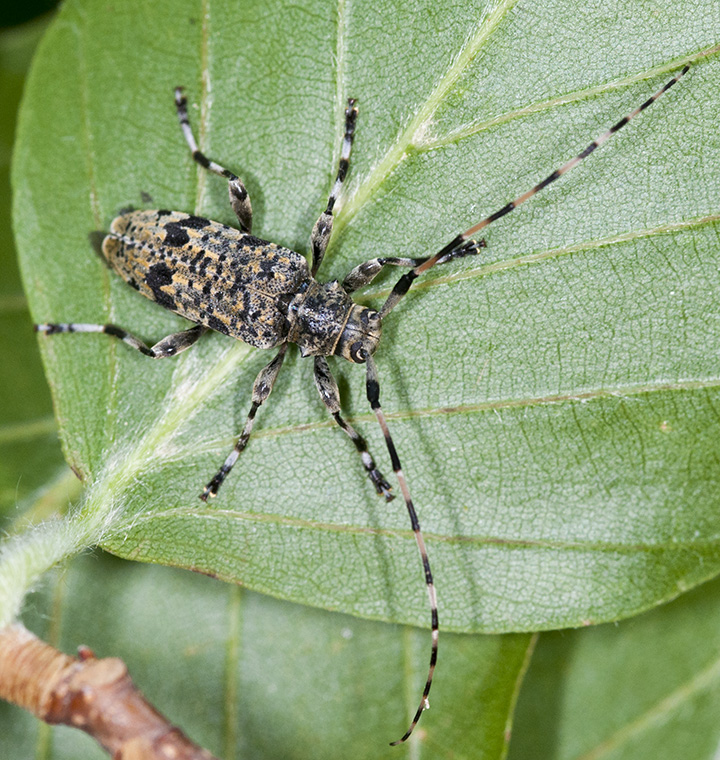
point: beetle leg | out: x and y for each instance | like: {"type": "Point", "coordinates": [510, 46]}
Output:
{"type": "Point", "coordinates": [328, 390]}
{"type": "Point", "coordinates": [366, 272]}
{"type": "Point", "coordinates": [239, 198]}
{"type": "Point", "coordinates": [261, 390]}
{"type": "Point", "coordinates": [169, 346]}
{"type": "Point", "coordinates": [323, 227]}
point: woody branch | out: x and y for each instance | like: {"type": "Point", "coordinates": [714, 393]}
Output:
{"type": "Point", "coordinates": [94, 695]}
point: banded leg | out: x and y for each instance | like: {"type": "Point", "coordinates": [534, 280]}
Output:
{"type": "Point", "coordinates": [239, 198]}
{"type": "Point", "coordinates": [261, 390]}
{"type": "Point", "coordinates": [373, 395]}
{"type": "Point", "coordinates": [169, 346]}
{"type": "Point", "coordinates": [323, 227]}
{"type": "Point", "coordinates": [403, 284]}
{"type": "Point", "coordinates": [365, 273]}
{"type": "Point", "coordinates": [328, 390]}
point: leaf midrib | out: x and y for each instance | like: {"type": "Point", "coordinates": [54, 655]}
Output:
{"type": "Point", "coordinates": [154, 437]}
{"type": "Point", "coordinates": [417, 125]}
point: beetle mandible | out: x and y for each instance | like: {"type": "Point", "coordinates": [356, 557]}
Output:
{"type": "Point", "coordinates": [227, 280]}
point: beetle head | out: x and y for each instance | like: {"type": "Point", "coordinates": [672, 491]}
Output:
{"type": "Point", "coordinates": [360, 336]}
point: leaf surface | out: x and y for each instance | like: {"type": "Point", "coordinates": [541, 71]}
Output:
{"type": "Point", "coordinates": [248, 676]}
{"type": "Point", "coordinates": [555, 404]}
{"type": "Point", "coordinates": [643, 689]}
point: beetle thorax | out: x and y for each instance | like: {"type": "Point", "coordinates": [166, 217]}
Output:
{"type": "Point", "coordinates": [324, 320]}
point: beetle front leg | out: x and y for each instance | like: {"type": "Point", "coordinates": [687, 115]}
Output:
{"type": "Point", "coordinates": [239, 198]}
{"type": "Point", "coordinates": [323, 227]}
{"type": "Point", "coordinates": [365, 273]}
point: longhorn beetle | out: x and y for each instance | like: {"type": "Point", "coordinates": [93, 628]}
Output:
{"type": "Point", "coordinates": [227, 280]}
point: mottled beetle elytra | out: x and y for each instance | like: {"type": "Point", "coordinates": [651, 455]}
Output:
{"type": "Point", "coordinates": [225, 279]}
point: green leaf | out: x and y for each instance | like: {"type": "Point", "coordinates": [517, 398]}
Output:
{"type": "Point", "coordinates": [248, 676]}
{"type": "Point", "coordinates": [646, 689]}
{"type": "Point", "coordinates": [554, 404]}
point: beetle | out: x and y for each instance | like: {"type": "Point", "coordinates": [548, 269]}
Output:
{"type": "Point", "coordinates": [227, 280]}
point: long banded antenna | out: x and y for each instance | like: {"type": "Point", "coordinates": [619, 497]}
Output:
{"type": "Point", "coordinates": [373, 394]}
{"type": "Point", "coordinates": [403, 284]}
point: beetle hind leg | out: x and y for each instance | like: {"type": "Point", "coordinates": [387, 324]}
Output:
{"type": "Point", "coordinates": [168, 346]}
{"type": "Point", "coordinates": [261, 390]}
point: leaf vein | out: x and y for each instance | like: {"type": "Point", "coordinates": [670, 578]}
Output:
{"type": "Point", "coordinates": [418, 124]}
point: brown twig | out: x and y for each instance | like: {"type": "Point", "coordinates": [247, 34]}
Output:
{"type": "Point", "coordinates": [97, 696]}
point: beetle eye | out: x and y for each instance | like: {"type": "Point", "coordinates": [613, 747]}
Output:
{"type": "Point", "coordinates": [357, 352]}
